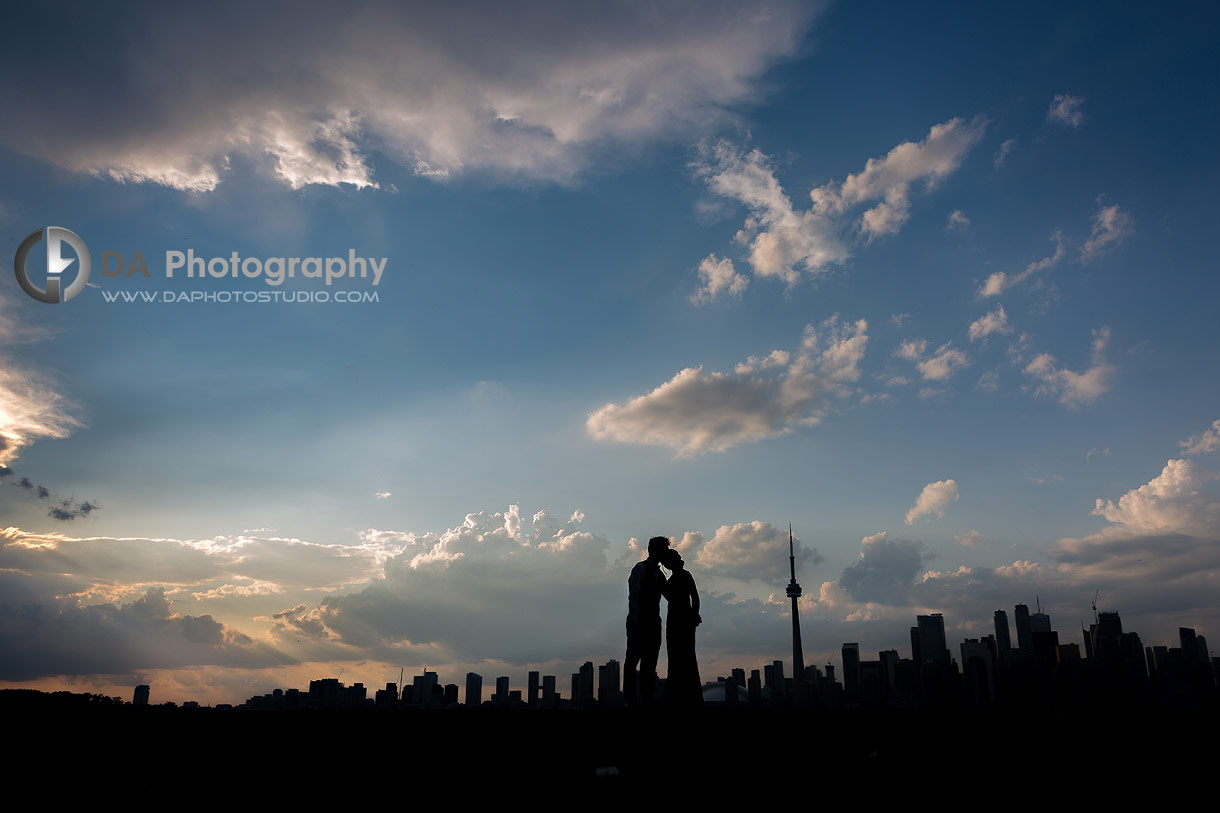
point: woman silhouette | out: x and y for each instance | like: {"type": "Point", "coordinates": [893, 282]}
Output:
{"type": "Point", "coordinates": [683, 688]}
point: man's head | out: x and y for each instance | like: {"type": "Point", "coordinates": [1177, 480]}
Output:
{"type": "Point", "coordinates": [657, 547]}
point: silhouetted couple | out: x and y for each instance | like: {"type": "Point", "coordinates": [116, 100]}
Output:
{"type": "Point", "coordinates": [645, 587]}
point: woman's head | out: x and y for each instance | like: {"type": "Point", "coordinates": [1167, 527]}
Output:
{"type": "Point", "coordinates": [672, 559]}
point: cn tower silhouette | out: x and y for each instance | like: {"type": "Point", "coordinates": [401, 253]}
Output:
{"type": "Point", "coordinates": [794, 592]}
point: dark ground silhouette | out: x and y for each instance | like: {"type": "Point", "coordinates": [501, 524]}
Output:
{"type": "Point", "coordinates": [192, 757]}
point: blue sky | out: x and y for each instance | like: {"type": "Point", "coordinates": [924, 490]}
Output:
{"type": "Point", "coordinates": [929, 283]}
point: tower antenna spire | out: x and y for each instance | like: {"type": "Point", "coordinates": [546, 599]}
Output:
{"type": "Point", "coordinates": [794, 593]}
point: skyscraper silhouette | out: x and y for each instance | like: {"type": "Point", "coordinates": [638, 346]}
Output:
{"type": "Point", "coordinates": [932, 646]}
{"type": "Point", "coordinates": [474, 689]}
{"type": "Point", "coordinates": [1002, 636]}
{"type": "Point", "coordinates": [1024, 639]}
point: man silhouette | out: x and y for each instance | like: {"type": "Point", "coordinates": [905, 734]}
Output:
{"type": "Point", "coordinates": [644, 588]}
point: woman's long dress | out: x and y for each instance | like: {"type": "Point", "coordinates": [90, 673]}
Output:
{"type": "Point", "coordinates": [682, 685]}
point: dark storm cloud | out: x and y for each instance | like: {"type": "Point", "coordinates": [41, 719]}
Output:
{"type": "Point", "coordinates": [41, 635]}
{"type": "Point", "coordinates": [885, 571]}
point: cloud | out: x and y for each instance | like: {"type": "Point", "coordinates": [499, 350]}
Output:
{"type": "Point", "coordinates": [698, 411]}
{"type": "Point", "coordinates": [970, 539]}
{"type": "Point", "coordinates": [999, 282]}
{"type": "Point", "coordinates": [957, 220]}
{"type": "Point", "coordinates": [889, 179]}
{"type": "Point", "coordinates": [1065, 110]}
{"type": "Point", "coordinates": [940, 365]}
{"type": "Point", "coordinates": [716, 277]}
{"type": "Point", "coordinates": [1173, 502]}
{"type": "Point", "coordinates": [43, 636]}
{"type": "Point", "coordinates": [490, 588]}
{"type": "Point", "coordinates": [994, 322]}
{"type": "Point", "coordinates": [885, 571]}
{"type": "Point", "coordinates": [108, 566]}
{"type": "Point", "coordinates": [31, 407]}
{"type": "Point", "coordinates": [1207, 441]}
{"type": "Point", "coordinates": [61, 508]}
{"type": "Point", "coordinates": [753, 550]}
{"type": "Point", "coordinates": [1110, 227]}
{"type": "Point", "coordinates": [65, 510]}
{"type": "Point", "coordinates": [381, 495]}
{"type": "Point", "coordinates": [1075, 389]}
{"type": "Point", "coordinates": [934, 499]}
{"type": "Point", "coordinates": [312, 91]}
{"type": "Point", "coordinates": [912, 349]}
{"type": "Point", "coordinates": [781, 241]}
{"type": "Point", "coordinates": [1161, 554]}
{"type": "Point", "coordinates": [1001, 155]}
{"type": "Point", "coordinates": [989, 381]}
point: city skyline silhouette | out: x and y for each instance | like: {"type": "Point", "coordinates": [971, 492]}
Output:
{"type": "Point", "coordinates": [395, 330]}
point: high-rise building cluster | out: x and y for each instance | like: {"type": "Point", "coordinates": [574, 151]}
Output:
{"type": "Point", "coordinates": [426, 692]}
{"type": "Point", "coordinates": [1114, 667]}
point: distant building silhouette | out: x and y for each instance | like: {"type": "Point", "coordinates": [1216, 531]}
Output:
{"type": "Point", "coordinates": [1003, 641]}
{"type": "Point", "coordinates": [550, 698]}
{"type": "Point", "coordinates": [532, 697]}
{"type": "Point", "coordinates": [474, 689]}
{"type": "Point", "coordinates": [851, 672]}
{"type": "Point", "coordinates": [501, 697]}
{"type": "Point", "coordinates": [609, 694]}
{"type": "Point", "coordinates": [1021, 617]}
{"type": "Point", "coordinates": [140, 698]}
{"type": "Point", "coordinates": [932, 647]}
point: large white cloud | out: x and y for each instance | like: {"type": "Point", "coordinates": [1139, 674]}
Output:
{"type": "Point", "coordinates": [698, 411]}
{"type": "Point", "coordinates": [934, 499]}
{"type": "Point", "coordinates": [172, 96]}
{"type": "Point", "coordinates": [1173, 502]}
{"type": "Point", "coordinates": [782, 240]}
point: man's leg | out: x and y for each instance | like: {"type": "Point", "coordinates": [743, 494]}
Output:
{"type": "Point", "coordinates": [649, 654]}
{"type": "Point", "coordinates": [630, 678]}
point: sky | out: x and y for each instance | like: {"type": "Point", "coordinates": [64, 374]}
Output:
{"type": "Point", "coordinates": [932, 283]}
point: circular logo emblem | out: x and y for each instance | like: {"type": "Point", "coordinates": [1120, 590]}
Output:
{"type": "Point", "coordinates": [55, 291]}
